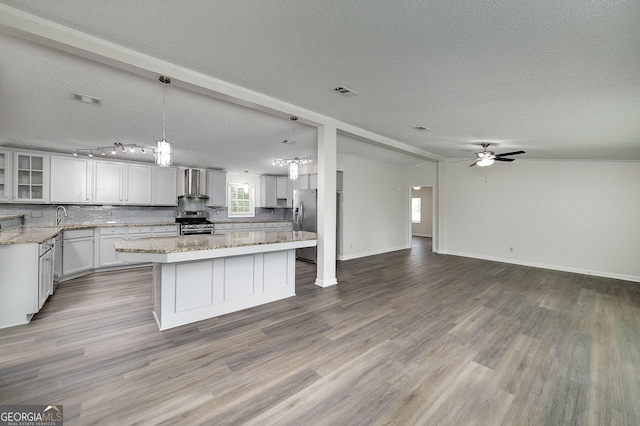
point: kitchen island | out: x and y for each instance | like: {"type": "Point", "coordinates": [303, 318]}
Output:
{"type": "Point", "coordinates": [196, 277]}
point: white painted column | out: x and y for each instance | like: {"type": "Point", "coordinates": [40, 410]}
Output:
{"type": "Point", "coordinates": [327, 157]}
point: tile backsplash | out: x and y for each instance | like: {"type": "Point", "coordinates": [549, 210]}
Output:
{"type": "Point", "coordinates": [44, 215]}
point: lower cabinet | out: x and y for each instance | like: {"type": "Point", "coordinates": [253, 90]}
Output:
{"type": "Point", "coordinates": [106, 249]}
{"type": "Point", "coordinates": [77, 251]}
{"type": "Point", "coordinates": [45, 271]}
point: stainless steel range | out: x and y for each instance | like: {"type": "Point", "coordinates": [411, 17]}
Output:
{"type": "Point", "coordinates": [193, 222]}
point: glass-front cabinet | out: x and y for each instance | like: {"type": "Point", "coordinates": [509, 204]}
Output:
{"type": "Point", "coordinates": [31, 177]}
{"type": "Point", "coordinates": [5, 176]}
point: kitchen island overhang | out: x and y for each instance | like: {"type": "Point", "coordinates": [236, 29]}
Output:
{"type": "Point", "coordinates": [198, 277]}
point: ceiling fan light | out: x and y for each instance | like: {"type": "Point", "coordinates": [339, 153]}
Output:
{"type": "Point", "coordinates": [486, 161]}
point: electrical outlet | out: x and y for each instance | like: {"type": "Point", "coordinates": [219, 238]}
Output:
{"type": "Point", "coordinates": [510, 248]}
{"type": "Point", "coordinates": [36, 213]}
{"type": "Point", "coordinates": [109, 212]}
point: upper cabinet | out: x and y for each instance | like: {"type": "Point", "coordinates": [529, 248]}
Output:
{"type": "Point", "coordinates": [31, 177]}
{"type": "Point", "coordinates": [268, 191]}
{"type": "Point", "coordinates": [6, 176]}
{"type": "Point", "coordinates": [70, 180]}
{"type": "Point", "coordinates": [108, 177]}
{"type": "Point", "coordinates": [276, 191]}
{"type": "Point", "coordinates": [308, 181]}
{"type": "Point", "coordinates": [163, 186]}
{"type": "Point", "coordinates": [137, 182]}
{"type": "Point", "coordinates": [37, 177]}
{"type": "Point", "coordinates": [216, 188]}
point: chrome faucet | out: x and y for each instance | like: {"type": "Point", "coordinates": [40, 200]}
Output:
{"type": "Point", "coordinates": [58, 218]}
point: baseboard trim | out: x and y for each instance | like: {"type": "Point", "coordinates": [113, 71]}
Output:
{"type": "Point", "coordinates": [422, 235]}
{"type": "Point", "coordinates": [602, 274]}
{"type": "Point", "coordinates": [372, 253]}
{"type": "Point", "coordinates": [326, 283]}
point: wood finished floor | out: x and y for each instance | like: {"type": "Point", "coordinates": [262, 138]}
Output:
{"type": "Point", "coordinates": [406, 338]}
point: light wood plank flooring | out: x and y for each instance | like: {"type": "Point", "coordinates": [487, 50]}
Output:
{"type": "Point", "coordinates": [406, 338]}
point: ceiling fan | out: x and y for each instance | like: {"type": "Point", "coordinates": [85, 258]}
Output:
{"type": "Point", "coordinates": [486, 158]}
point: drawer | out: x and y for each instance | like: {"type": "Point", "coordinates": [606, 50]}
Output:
{"type": "Point", "coordinates": [165, 228]}
{"type": "Point", "coordinates": [223, 227]}
{"type": "Point", "coordinates": [113, 231]}
{"type": "Point", "coordinates": [271, 226]}
{"type": "Point", "coordinates": [285, 227]}
{"type": "Point", "coordinates": [241, 226]}
{"type": "Point", "coordinates": [77, 233]}
{"type": "Point", "coordinates": [139, 230]}
{"type": "Point", "coordinates": [257, 226]}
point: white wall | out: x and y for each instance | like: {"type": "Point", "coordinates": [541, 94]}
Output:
{"type": "Point", "coordinates": [575, 216]}
{"type": "Point", "coordinates": [375, 209]}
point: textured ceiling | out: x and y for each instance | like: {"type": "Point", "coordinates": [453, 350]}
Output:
{"type": "Point", "coordinates": [560, 80]}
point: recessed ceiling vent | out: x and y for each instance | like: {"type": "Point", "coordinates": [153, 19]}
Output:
{"type": "Point", "coordinates": [87, 99]}
{"type": "Point", "coordinates": [345, 91]}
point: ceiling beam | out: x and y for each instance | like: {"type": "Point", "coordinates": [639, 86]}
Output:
{"type": "Point", "coordinates": [48, 33]}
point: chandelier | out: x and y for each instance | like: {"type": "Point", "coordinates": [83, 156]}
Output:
{"type": "Point", "coordinates": [164, 155]}
{"type": "Point", "coordinates": [294, 162]}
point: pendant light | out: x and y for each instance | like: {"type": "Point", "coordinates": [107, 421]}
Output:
{"type": "Point", "coordinates": [164, 155]}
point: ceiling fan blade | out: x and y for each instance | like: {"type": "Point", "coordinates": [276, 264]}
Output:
{"type": "Point", "coordinates": [466, 159]}
{"type": "Point", "coordinates": [509, 153]}
{"type": "Point", "coordinates": [504, 159]}
{"type": "Point", "coordinates": [473, 164]}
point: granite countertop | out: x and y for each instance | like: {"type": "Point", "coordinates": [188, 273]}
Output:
{"type": "Point", "coordinates": [27, 234]}
{"type": "Point", "coordinates": [188, 243]}
{"type": "Point", "coordinates": [38, 234]}
{"type": "Point", "coordinates": [251, 221]}
{"type": "Point", "coordinates": [11, 216]}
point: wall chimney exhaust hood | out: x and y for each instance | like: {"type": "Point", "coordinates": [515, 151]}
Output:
{"type": "Point", "coordinates": [192, 184]}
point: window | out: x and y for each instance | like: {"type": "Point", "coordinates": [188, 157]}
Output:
{"type": "Point", "coordinates": [416, 210]}
{"type": "Point", "coordinates": [241, 202]}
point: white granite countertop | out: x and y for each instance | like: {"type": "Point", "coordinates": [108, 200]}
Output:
{"type": "Point", "coordinates": [37, 234]}
{"type": "Point", "coordinates": [189, 243]}
{"type": "Point", "coordinates": [10, 216]}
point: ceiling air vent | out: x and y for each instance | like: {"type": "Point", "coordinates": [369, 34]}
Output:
{"type": "Point", "coordinates": [345, 91]}
{"type": "Point", "coordinates": [87, 99]}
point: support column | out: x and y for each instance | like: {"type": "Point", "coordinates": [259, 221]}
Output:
{"type": "Point", "coordinates": [327, 157]}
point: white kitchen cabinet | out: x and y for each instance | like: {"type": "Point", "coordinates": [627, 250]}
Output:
{"type": "Point", "coordinates": [164, 231]}
{"type": "Point", "coordinates": [257, 226]}
{"type": "Point", "coordinates": [106, 249]}
{"type": "Point", "coordinates": [216, 188]}
{"type": "Point", "coordinates": [45, 271]}
{"type": "Point", "coordinates": [137, 188]}
{"type": "Point", "coordinates": [164, 186]}
{"type": "Point", "coordinates": [18, 283]}
{"type": "Point", "coordinates": [6, 176]}
{"type": "Point", "coordinates": [303, 182]}
{"type": "Point", "coordinates": [308, 181]}
{"type": "Point", "coordinates": [70, 180]}
{"type": "Point", "coordinates": [30, 177]}
{"type": "Point", "coordinates": [271, 226]}
{"type": "Point", "coordinates": [281, 188]}
{"type": "Point", "coordinates": [313, 181]}
{"type": "Point", "coordinates": [268, 192]}
{"type": "Point", "coordinates": [285, 226]}
{"type": "Point", "coordinates": [77, 251]}
{"type": "Point", "coordinates": [107, 178]}
{"type": "Point", "coordinates": [223, 228]}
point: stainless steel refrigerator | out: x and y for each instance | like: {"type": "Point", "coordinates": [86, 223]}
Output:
{"type": "Point", "coordinates": [305, 210]}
